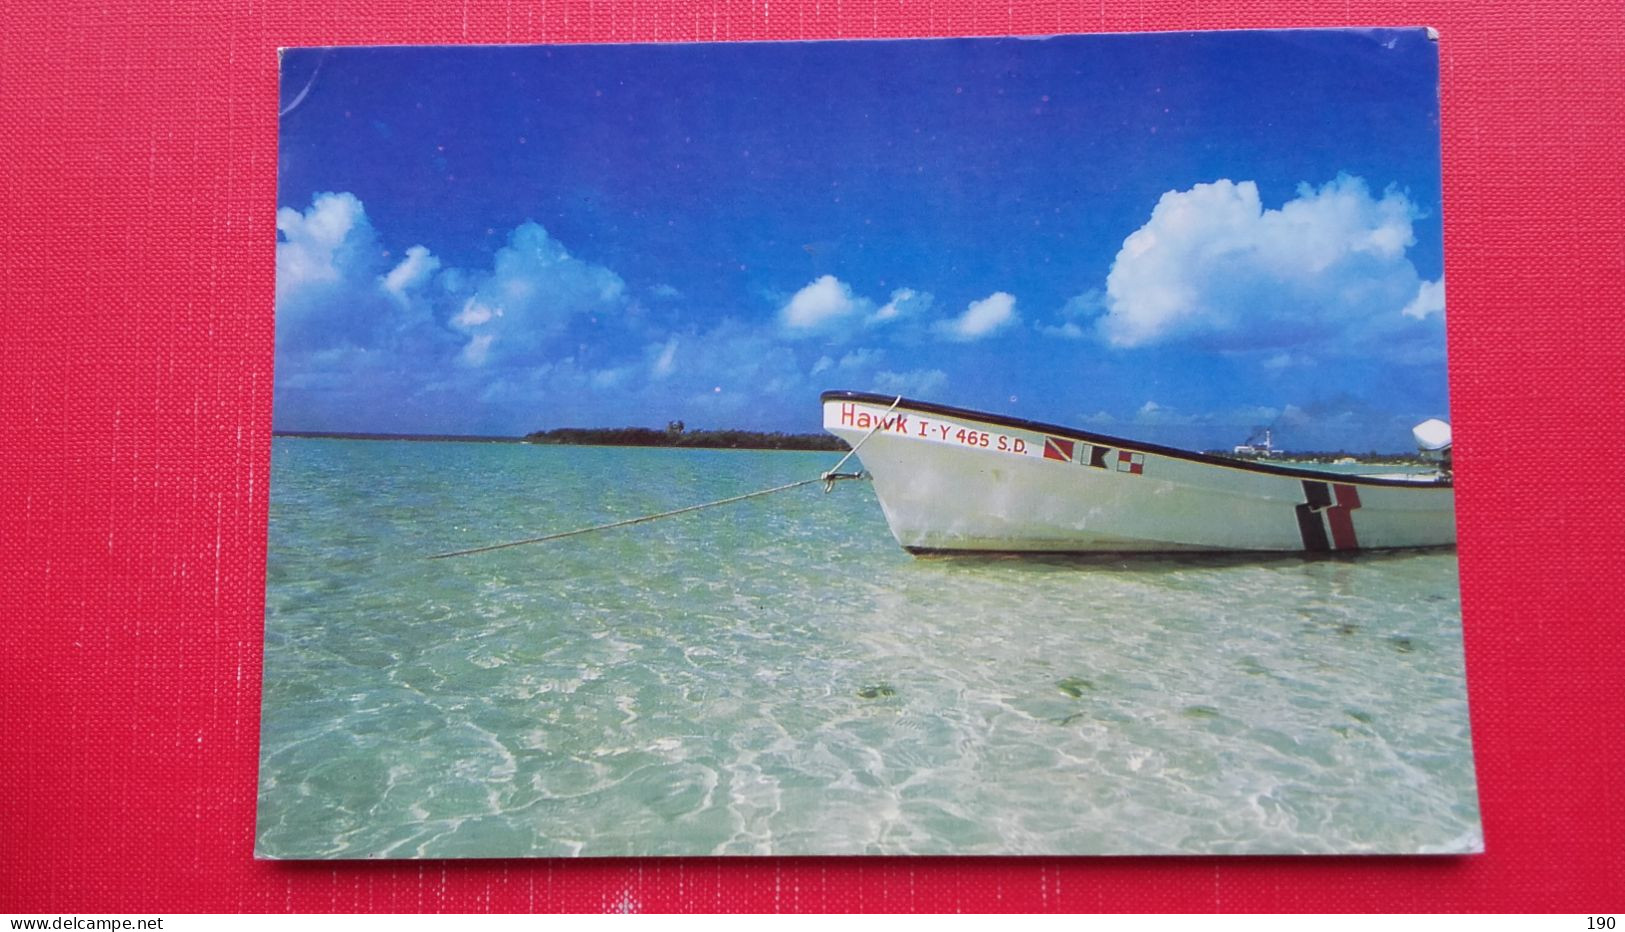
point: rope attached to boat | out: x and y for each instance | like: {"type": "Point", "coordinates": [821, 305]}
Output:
{"type": "Point", "coordinates": [627, 522]}
{"type": "Point", "coordinates": [829, 477]}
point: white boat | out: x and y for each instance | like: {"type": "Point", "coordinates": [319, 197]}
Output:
{"type": "Point", "coordinates": [952, 479]}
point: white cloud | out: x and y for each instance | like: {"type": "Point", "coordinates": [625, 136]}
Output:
{"type": "Point", "coordinates": [477, 349]}
{"type": "Point", "coordinates": [735, 374]}
{"type": "Point", "coordinates": [914, 383]}
{"type": "Point", "coordinates": [823, 301]}
{"type": "Point", "coordinates": [473, 314]}
{"type": "Point", "coordinates": [854, 368]}
{"type": "Point", "coordinates": [1239, 418]}
{"type": "Point", "coordinates": [412, 271]}
{"type": "Point", "coordinates": [604, 379]}
{"type": "Point", "coordinates": [1074, 314]}
{"type": "Point", "coordinates": [364, 337]}
{"type": "Point", "coordinates": [533, 289]}
{"type": "Point", "coordinates": [981, 319]}
{"type": "Point", "coordinates": [315, 244]}
{"type": "Point", "coordinates": [1280, 362]}
{"type": "Point", "coordinates": [1429, 300]}
{"type": "Point", "coordinates": [336, 287]}
{"type": "Point", "coordinates": [328, 287]}
{"type": "Point", "coordinates": [1213, 266]}
{"type": "Point", "coordinates": [1153, 413]}
{"type": "Point", "coordinates": [905, 302]}
{"type": "Point", "coordinates": [666, 362]}
{"type": "Point", "coordinates": [862, 359]}
{"type": "Point", "coordinates": [1066, 331]}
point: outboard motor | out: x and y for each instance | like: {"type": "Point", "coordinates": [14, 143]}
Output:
{"type": "Point", "coordinates": [1433, 443]}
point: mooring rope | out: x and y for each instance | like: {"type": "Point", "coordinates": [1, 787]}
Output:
{"type": "Point", "coordinates": [828, 477]}
{"type": "Point", "coordinates": [629, 521]}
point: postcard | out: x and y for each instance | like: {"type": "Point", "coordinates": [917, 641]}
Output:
{"type": "Point", "coordinates": [996, 446]}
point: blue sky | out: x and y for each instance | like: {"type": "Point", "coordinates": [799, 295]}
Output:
{"type": "Point", "coordinates": [1175, 236]}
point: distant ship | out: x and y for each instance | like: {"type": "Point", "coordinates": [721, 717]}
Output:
{"type": "Point", "coordinates": [953, 479]}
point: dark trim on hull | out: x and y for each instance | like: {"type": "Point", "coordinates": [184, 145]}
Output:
{"type": "Point", "coordinates": [1313, 531]}
{"type": "Point", "coordinates": [1137, 446]}
{"type": "Point", "coordinates": [1194, 555]}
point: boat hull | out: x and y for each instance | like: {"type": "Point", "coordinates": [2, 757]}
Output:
{"type": "Point", "coordinates": [951, 479]}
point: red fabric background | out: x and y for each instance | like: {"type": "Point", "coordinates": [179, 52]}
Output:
{"type": "Point", "coordinates": [137, 199]}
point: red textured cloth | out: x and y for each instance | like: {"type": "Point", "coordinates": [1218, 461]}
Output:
{"type": "Point", "coordinates": [137, 200]}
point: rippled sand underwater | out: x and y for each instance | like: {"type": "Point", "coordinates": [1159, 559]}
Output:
{"type": "Point", "coordinates": [778, 677]}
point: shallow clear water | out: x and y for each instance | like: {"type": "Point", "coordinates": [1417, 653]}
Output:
{"type": "Point", "coordinates": [777, 676]}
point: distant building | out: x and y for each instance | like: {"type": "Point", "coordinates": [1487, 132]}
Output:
{"type": "Point", "coordinates": [1259, 444]}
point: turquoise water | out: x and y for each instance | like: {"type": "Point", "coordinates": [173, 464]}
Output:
{"type": "Point", "coordinates": [778, 677]}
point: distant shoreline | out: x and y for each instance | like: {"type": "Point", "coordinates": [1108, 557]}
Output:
{"type": "Point", "coordinates": [680, 438]}
{"type": "Point", "coordinates": [758, 440]}
{"type": "Point", "coordinates": [1333, 458]}
{"type": "Point", "coordinates": [610, 437]}
{"type": "Point", "coordinates": [355, 435]}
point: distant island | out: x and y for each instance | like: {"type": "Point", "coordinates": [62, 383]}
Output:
{"type": "Point", "coordinates": [356, 435]}
{"type": "Point", "coordinates": [677, 434]}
